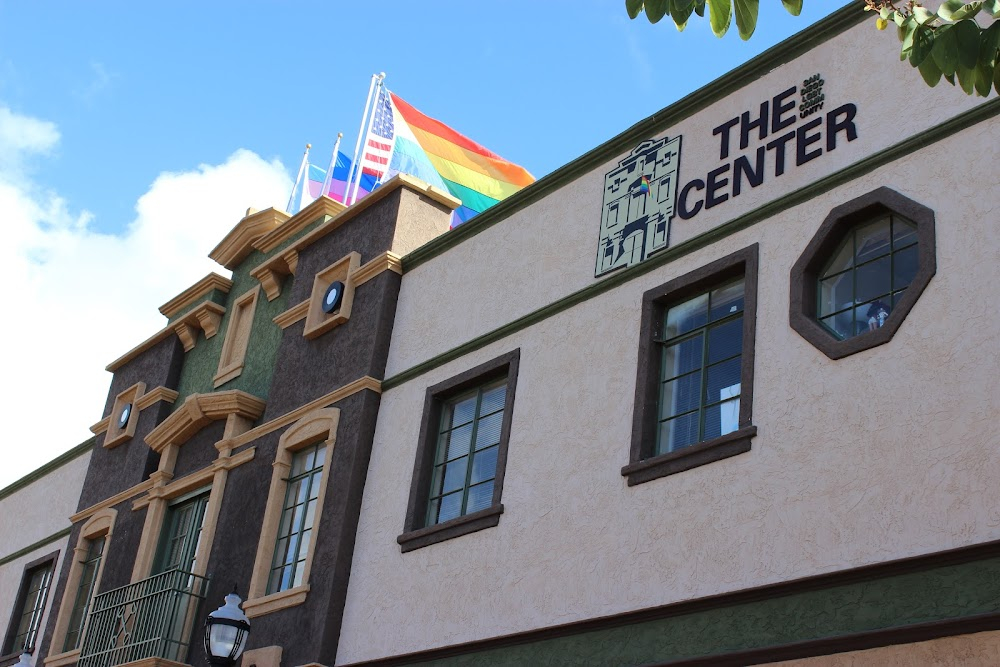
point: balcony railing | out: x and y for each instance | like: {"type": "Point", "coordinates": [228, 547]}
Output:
{"type": "Point", "coordinates": [152, 618]}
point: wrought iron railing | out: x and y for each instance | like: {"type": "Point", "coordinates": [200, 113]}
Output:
{"type": "Point", "coordinates": [152, 618]}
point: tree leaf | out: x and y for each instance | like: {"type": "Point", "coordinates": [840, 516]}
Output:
{"type": "Point", "coordinates": [699, 8]}
{"type": "Point", "coordinates": [884, 13]}
{"type": "Point", "coordinates": [967, 34]}
{"type": "Point", "coordinates": [794, 7]}
{"type": "Point", "coordinates": [930, 71]}
{"type": "Point", "coordinates": [956, 10]}
{"type": "Point", "coordinates": [990, 44]}
{"type": "Point", "coordinates": [908, 30]}
{"type": "Point", "coordinates": [633, 7]}
{"type": "Point", "coordinates": [945, 51]}
{"type": "Point", "coordinates": [899, 18]}
{"type": "Point", "coordinates": [680, 12]}
{"type": "Point", "coordinates": [950, 78]}
{"type": "Point", "coordinates": [996, 79]}
{"type": "Point", "coordinates": [984, 79]}
{"type": "Point", "coordinates": [993, 8]}
{"type": "Point", "coordinates": [923, 43]}
{"type": "Point", "coordinates": [746, 16]}
{"type": "Point", "coordinates": [967, 79]}
{"type": "Point", "coordinates": [656, 9]}
{"type": "Point", "coordinates": [923, 15]}
{"type": "Point", "coordinates": [720, 15]}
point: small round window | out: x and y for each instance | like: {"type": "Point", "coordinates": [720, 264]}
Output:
{"type": "Point", "coordinates": [867, 277]}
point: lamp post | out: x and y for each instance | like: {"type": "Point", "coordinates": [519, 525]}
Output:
{"type": "Point", "coordinates": [25, 660]}
{"type": "Point", "coordinates": [226, 631]}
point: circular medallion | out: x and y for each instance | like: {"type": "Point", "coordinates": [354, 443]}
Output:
{"type": "Point", "coordinates": [125, 414]}
{"type": "Point", "coordinates": [334, 295]}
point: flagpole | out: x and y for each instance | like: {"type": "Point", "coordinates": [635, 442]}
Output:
{"type": "Point", "coordinates": [302, 167]}
{"type": "Point", "coordinates": [361, 130]}
{"type": "Point", "coordinates": [333, 163]}
{"type": "Point", "coordinates": [377, 82]}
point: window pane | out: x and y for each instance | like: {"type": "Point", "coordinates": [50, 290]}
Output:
{"type": "Point", "coordinates": [903, 233]}
{"type": "Point", "coordinates": [449, 507]}
{"type": "Point", "coordinates": [722, 418]}
{"type": "Point", "coordinates": [842, 260]}
{"type": "Point", "coordinates": [836, 293]}
{"type": "Point", "coordinates": [303, 547]}
{"type": "Point", "coordinates": [904, 267]}
{"type": "Point", "coordinates": [683, 357]}
{"type": "Point", "coordinates": [721, 379]}
{"type": "Point", "coordinates": [315, 480]}
{"type": "Point", "coordinates": [484, 465]}
{"type": "Point", "coordinates": [488, 430]}
{"type": "Point", "coordinates": [480, 497]}
{"type": "Point", "coordinates": [725, 340]}
{"type": "Point", "coordinates": [285, 527]}
{"type": "Point", "coordinates": [872, 280]}
{"type": "Point", "coordinates": [871, 316]}
{"type": "Point", "coordinates": [678, 433]}
{"type": "Point", "coordinates": [680, 395]}
{"type": "Point", "coordinates": [727, 300]}
{"type": "Point", "coordinates": [493, 399]}
{"type": "Point", "coordinates": [872, 240]}
{"type": "Point", "coordinates": [842, 324]}
{"type": "Point", "coordinates": [299, 461]}
{"type": "Point", "coordinates": [456, 443]}
{"type": "Point", "coordinates": [320, 456]}
{"type": "Point", "coordinates": [464, 411]}
{"type": "Point", "coordinates": [454, 475]}
{"type": "Point", "coordinates": [686, 317]}
{"type": "Point", "coordinates": [310, 515]}
{"type": "Point", "coordinates": [897, 296]}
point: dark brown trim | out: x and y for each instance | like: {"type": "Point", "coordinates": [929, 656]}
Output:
{"type": "Point", "coordinates": [415, 533]}
{"type": "Point", "coordinates": [840, 221]}
{"type": "Point", "coordinates": [909, 565]}
{"type": "Point", "coordinates": [48, 560]}
{"type": "Point", "coordinates": [859, 641]}
{"type": "Point", "coordinates": [643, 464]}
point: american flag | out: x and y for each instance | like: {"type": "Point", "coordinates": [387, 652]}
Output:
{"type": "Point", "coordinates": [378, 145]}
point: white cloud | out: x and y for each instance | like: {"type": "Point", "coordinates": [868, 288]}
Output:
{"type": "Point", "coordinates": [79, 298]}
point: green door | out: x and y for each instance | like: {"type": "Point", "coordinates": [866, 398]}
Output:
{"type": "Point", "coordinates": [181, 534]}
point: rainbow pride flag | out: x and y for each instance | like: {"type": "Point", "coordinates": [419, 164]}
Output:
{"type": "Point", "coordinates": [316, 176]}
{"type": "Point", "coordinates": [433, 152]}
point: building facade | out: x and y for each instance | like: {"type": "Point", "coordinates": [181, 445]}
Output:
{"type": "Point", "coordinates": [719, 392]}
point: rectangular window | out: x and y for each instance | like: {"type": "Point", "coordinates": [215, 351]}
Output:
{"type": "Point", "coordinates": [694, 385]}
{"type": "Point", "coordinates": [27, 616]}
{"type": "Point", "coordinates": [461, 454]}
{"type": "Point", "coordinates": [90, 566]}
{"type": "Point", "coordinates": [297, 517]}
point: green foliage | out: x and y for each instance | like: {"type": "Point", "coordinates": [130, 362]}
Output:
{"type": "Point", "coordinates": [946, 44]}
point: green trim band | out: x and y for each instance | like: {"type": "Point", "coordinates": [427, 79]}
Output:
{"type": "Point", "coordinates": [917, 142]}
{"type": "Point", "coordinates": [54, 464]}
{"type": "Point", "coordinates": [779, 54]}
{"type": "Point", "coordinates": [54, 537]}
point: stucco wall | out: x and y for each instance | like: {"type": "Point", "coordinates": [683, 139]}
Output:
{"type": "Point", "coordinates": [30, 515]}
{"type": "Point", "coordinates": [885, 454]}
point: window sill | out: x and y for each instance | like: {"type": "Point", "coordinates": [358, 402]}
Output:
{"type": "Point", "coordinates": [275, 601]}
{"type": "Point", "coordinates": [463, 525]}
{"type": "Point", "coordinates": [60, 659]}
{"type": "Point", "coordinates": [709, 451]}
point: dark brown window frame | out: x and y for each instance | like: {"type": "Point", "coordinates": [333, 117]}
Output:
{"type": "Point", "coordinates": [49, 560]}
{"type": "Point", "coordinates": [644, 465]}
{"type": "Point", "coordinates": [840, 221]}
{"type": "Point", "coordinates": [415, 534]}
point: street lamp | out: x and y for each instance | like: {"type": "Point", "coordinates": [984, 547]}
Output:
{"type": "Point", "coordinates": [25, 660]}
{"type": "Point", "coordinates": [226, 631]}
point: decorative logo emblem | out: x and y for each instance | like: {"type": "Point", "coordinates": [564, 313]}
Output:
{"type": "Point", "coordinates": [639, 198]}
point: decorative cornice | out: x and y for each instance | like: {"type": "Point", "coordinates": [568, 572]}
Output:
{"type": "Point", "coordinates": [205, 316]}
{"type": "Point", "coordinates": [273, 271]}
{"type": "Point", "coordinates": [238, 243]}
{"type": "Point", "coordinates": [198, 411]}
{"type": "Point", "coordinates": [387, 261]}
{"type": "Point", "coordinates": [322, 207]}
{"type": "Point", "coordinates": [361, 384]}
{"type": "Point", "coordinates": [101, 426]}
{"type": "Point", "coordinates": [144, 346]}
{"type": "Point", "coordinates": [194, 480]}
{"type": "Point", "coordinates": [152, 396]}
{"type": "Point", "coordinates": [294, 314]}
{"type": "Point", "coordinates": [130, 492]}
{"type": "Point", "coordinates": [212, 281]}
{"type": "Point", "coordinates": [378, 194]}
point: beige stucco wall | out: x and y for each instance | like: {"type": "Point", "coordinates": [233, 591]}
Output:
{"type": "Point", "coordinates": [981, 649]}
{"type": "Point", "coordinates": [30, 515]}
{"type": "Point", "coordinates": [885, 454]}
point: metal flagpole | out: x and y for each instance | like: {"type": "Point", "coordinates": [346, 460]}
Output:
{"type": "Point", "coordinates": [298, 179]}
{"type": "Point", "coordinates": [377, 82]}
{"type": "Point", "coordinates": [357, 146]}
{"type": "Point", "coordinates": [392, 146]}
{"type": "Point", "coordinates": [329, 172]}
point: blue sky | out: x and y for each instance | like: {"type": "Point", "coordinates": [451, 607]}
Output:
{"type": "Point", "coordinates": [122, 122]}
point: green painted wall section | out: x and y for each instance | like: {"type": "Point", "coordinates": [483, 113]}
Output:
{"type": "Point", "coordinates": [202, 362]}
{"type": "Point", "coordinates": [950, 592]}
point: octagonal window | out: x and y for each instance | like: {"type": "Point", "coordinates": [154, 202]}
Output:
{"type": "Point", "coordinates": [862, 272]}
